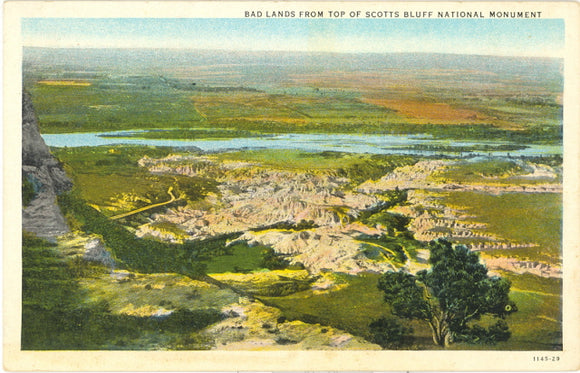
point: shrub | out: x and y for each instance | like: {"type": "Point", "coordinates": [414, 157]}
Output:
{"type": "Point", "coordinates": [389, 333]}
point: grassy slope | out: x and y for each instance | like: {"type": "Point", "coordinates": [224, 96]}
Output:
{"type": "Point", "coordinates": [350, 308]}
{"type": "Point", "coordinates": [102, 174]}
{"type": "Point", "coordinates": [62, 310]}
{"type": "Point", "coordinates": [243, 258]}
{"type": "Point", "coordinates": [536, 325]}
{"type": "Point", "coordinates": [496, 172]}
{"type": "Point", "coordinates": [504, 214]}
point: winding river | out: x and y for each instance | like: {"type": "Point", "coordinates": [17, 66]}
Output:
{"type": "Point", "coordinates": [352, 143]}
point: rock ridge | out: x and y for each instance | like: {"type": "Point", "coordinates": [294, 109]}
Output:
{"type": "Point", "coordinates": [40, 168]}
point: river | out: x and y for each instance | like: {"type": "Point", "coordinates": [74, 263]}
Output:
{"type": "Point", "coordinates": [351, 143]}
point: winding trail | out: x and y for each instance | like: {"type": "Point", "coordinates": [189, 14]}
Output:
{"type": "Point", "coordinates": [383, 249]}
{"type": "Point", "coordinates": [536, 292]}
{"type": "Point", "coordinates": [169, 191]}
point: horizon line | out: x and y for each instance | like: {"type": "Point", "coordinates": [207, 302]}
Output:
{"type": "Point", "coordinates": [288, 51]}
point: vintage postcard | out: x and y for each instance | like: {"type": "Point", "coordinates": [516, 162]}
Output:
{"type": "Point", "coordinates": [286, 186]}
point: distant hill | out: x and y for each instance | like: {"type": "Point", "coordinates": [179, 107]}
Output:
{"type": "Point", "coordinates": [273, 66]}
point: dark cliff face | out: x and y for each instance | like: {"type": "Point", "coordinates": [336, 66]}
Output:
{"type": "Point", "coordinates": [42, 171]}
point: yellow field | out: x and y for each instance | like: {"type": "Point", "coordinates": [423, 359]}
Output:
{"type": "Point", "coordinates": [65, 83]}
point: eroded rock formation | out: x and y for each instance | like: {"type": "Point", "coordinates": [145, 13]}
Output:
{"type": "Point", "coordinates": [42, 215]}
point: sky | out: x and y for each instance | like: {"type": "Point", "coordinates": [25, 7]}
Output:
{"type": "Point", "coordinates": [504, 37]}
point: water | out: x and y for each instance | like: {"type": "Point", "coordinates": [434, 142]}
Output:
{"type": "Point", "coordinates": [351, 143]}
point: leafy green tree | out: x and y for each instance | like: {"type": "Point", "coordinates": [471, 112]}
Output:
{"type": "Point", "coordinates": [450, 296]}
{"type": "Point", "coordinates": [271, 260]}
{"type": "Point", "coordinates": [388, 332]}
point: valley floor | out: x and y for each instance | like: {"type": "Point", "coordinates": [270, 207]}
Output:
{"type": "Point", "coordinates": [328, 232]}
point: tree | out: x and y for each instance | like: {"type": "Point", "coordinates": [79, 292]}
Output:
{"type": "Point", "coordinates": [451, 295]}
{"type": "Point", "coordinates": [389, 332]}
{"type": "Point", "coordinates": [271, 260]}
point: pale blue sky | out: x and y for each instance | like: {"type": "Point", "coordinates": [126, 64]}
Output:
{"type": "Point", "coordinates": [508, 37]}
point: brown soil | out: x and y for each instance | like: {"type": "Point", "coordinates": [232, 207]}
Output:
{"type": "Point", "coordinates": [429, 112]}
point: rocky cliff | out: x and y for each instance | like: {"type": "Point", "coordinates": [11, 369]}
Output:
{"type": "Point", "coordinates": [41, 215]}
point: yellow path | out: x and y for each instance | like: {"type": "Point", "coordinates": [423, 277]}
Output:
{"type": "Point", "coordinates": [199, 112]}
{"type": "Point", "coordinates": [548, 318]}
{"type": "Point", "coordinates": [535, 292]}
{"type": "Point", "coordinates": [169, 191]}
{"type": "Point", "coordinates": [386, 249]}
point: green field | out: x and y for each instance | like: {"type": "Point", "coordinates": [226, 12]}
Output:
{"type": "Point", "coordinates": [351, 308]}
{"type": "Point", "coordinates": [525, 218]}
{"type": "Point", "coordinates": [107, 177]}
{"type": "Point", "coordinates": [241, 258]}
{"type": "Point", "coordinates": [356, 167]}
{"type": "Point", "coordinates": [88, 109]}
{"type": "Point", "coordinates": [536, 325]}
{"type": "Point", "coordinates": [101, 106]}
{"type": "Point", "coordinates": [501, 171]}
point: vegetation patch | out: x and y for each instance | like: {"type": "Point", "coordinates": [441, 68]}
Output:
{"type": "Point", "coordinates": [139, 294]}
{"type": "Point", "coordinates": [534, 284]}
{"type": "Point", "coordinates": [503, 213]}
{"type": "Point", "coordinates": [451, 296]}
{"type": "Point", "coordinates": [356, 167]}
{"type": "Point", "coordinates": [60, 314]}
{"type": "Point", "coordinates": [142, 254]}
{"type": "Point", "coordinates": [349, 308]}
{"type": "Point", "coordinates": [239, 258]}
{"type": "Point", "coordinates": [111, 178]}
{"type": "Point", "coordinates": [493, 168]}
{"type": "Point", "coordinates": [276, 283]}
{"type": "Point", "coordinates": [94, 107]}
